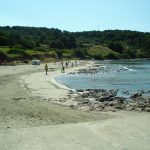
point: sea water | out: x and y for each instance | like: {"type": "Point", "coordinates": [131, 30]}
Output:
{"type": "Point", "coordinates": [126, 76]}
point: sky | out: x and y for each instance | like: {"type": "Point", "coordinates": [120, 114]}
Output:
{"type": "Point", "coordinates": [77, 15]}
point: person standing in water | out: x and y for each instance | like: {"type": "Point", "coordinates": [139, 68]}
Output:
{"type": "Point", "coordinates": [76, 63]}
{"type": "Point", "coordinates": [72, 65]}
{"type": "Point", "coordinates": [62, 63]}
{"type": "Point", "coordinates": [46, 68]}
{"type": "Point", "coordinates": [66, 64]}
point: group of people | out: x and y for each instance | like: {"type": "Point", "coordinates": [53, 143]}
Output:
{"type": "Point", "coordinates": [64, 65]}
{"type": "Point", "coordinates": [67, 63]}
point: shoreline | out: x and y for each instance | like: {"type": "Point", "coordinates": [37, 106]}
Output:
{"type": "Point", "coordinates": [70, 70]}
{"type": "Point", "coordinates": [106, 100]}
{"type": "Point", "coordinates": [48, 83]}
{"type": "Point", "coordinates": [16, 62]}
{"type": "Point", "coordinates": [86, 100]}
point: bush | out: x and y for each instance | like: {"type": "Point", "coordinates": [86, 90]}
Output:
{"type": "Point", "coordinates": [128, 54]}
{"type": "Point", "coordinates": [15, 51]}
{"type": "Point", "coordinates": [116, 47]}
{"type": "Point", "coordinates": [21, 53]}
{"type": "Point", "coordinates": [112, 55]}
{"type": "Point", "coordinates": [98, 57]}
{"type": "Point", "coordinates": [59, 54]}
{"type": "Point", "coordinates": [81, 53]}
{"type": "Point", "coordinates": [3, 56]}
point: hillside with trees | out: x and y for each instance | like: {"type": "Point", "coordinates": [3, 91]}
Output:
{"type": "Point", "coordinates": [27, 43]}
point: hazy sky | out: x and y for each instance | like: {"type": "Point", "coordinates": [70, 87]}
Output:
{"type": "Point", "coordinates": [77, 15]}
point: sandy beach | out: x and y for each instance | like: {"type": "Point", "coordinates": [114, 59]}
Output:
{"type": "Point", "coordinates": [41, 84]}
{"type": "Point", "coordinates": [32, 117]}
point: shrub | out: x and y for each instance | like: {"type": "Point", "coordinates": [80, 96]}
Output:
{"type": "Point", "coordinates": [21, 53]}
{"type": "Point", "coordinates": [98, 57]}
{"type": "Point", "coordinates": [112, 55]}
{"type": "Point", "coordinates": [116, 47]}
{"type": "Point", "coordinates": [59, 54]}
{"type": "Point", "coordinates": [3, 56]}
{"type": "Point", "coordinates": [130, 53]}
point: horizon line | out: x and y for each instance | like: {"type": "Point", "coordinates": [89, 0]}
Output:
{"type": "Point", "coordinates": [115, 29]}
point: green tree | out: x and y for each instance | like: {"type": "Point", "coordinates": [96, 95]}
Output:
{"type": "Point", "coordinates": [112, 55]}
{"type": "Point", "coordinates": [130, 53]}
{"type": "Point", "coordinates": [71, 42]}
{"type": "Point", "coordinates": [116, 47]}
{"type": "Point", "coordinates": [81, 53]}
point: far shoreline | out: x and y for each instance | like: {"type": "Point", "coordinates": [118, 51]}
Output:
{"type": "Point", "coordinates": [19, 62]}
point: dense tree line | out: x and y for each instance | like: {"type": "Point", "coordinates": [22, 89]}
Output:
{"type": "Point", "coordinates": [131, 38]}
{"type": "Point", "coordinates": [125, 44]}
{"type": "Point", "coordinates": [129, 44]}
{"type": "Point", "coordinates": [30, 37]}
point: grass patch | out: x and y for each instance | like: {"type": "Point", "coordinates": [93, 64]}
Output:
{"type": "Point", "coordinates": [101, 52]}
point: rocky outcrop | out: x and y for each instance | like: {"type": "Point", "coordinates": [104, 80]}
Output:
{"type": "Point", "coordinates": [136, 95]}
{"type": "Point", "coordinates": [107, 100]}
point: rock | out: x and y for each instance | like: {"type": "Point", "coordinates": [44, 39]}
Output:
{"type": "Point", "coordinates": [107, 100]}
{"type": "Point", "coordinates": [101, 90]}
{"type": "Point", "coordinates": [75, 107]}
{"type": "Point", "coordinates": [72, 91]}
{"type": "Point", "coordinates": [147, 91]}
{"type": "Point", "coordinates": [119, 99]}
{"type": "Point", "coordinates": [84, 108]}
{"type": "Point", "coordinates": [92, 99]}
{"type": "Point", "coordinates": [136, 95]}
{"type": "Point", "coordinates": [128, 108]}
{"type": "Point", "coordinates": [147, 109]}
{"type": "Point", "coordinates": [113, 92]}
{"type": "Point", "coordinates": [18, 98]}
{"type": "Point", "coordinates": [93, 107]}
{"type": "Point", "coordinates": [44, 99]}
{"type": "Point", "coordinates": [97, 95]}
{"type": "Point", "coordinates": [127, 101]}
{"type": "Point", "coordinates": [126, 92]}
{"type": "Point", "coordinates": [110, 109]}
{"type": "Point", "coordinates": [100, 109]}
{"type": "Point", "coordinates": [90, 90]}
{"type": "Point", "coordinates": [120, 106]}
{"type": "Point", "coordinates": [85, 101]}
{"type": "Point", "coordinates": [84, 95]}
{"type": "Point", "coordinates": [132, 106]}
{"type": "Point", "coordinates": [62, 100]}
{"type": "Point", "coordinates": [102, 99]}
{"type": "Point", "coordinates": [111, 103]}
{"type": "Point", "coordinates": [141, 105]}
{"type": "Point", "coordinates": [80, 90]}
{"type": "Point", "coordinates": [138, 109]}
{"type": "Point", "coordinates": [79, 99]}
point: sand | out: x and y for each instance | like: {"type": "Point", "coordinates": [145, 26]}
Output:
{"type": "Point", "coordinates": [30, 119]}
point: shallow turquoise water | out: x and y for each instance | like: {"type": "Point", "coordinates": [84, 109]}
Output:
{"type": "Point", "coordinates": [131, 75]}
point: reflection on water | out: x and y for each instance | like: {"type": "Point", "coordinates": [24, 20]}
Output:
{"type": "Point", "coordinates": [131, 75]}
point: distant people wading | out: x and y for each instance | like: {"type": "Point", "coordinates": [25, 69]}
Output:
{"type": "Point", "coordinates": [46, 68]}
{"type": "Point", "coordinates": [76, 63]}
{"type": "Point", "coordinates": [63, 69]}
{"type": "Point", "coordinates": [66, 64]}
{"type": "Point", "coordinates": [62, 63]}
{"type": "Point", "coordinates": [72, 65]}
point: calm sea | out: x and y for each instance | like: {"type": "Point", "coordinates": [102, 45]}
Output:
{"type": "Point", "coordinates": [124, 75]}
